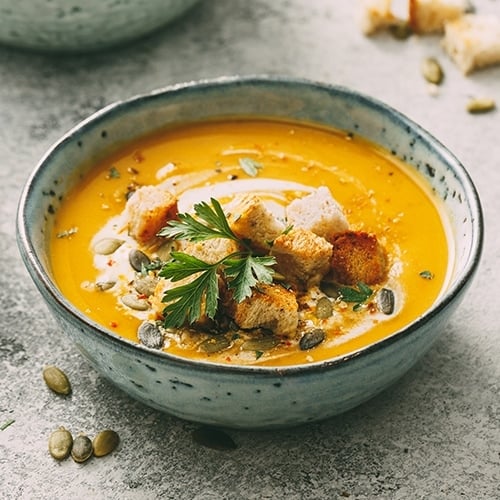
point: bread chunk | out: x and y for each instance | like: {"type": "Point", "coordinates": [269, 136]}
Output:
{"type": "Point", "coordinates": [473, 42]}
{"type": "Point", "coordinates": [148, 210]}
{"type": "Point", "coordinates": [377, 15]}
{"type": "Point", "coordinates": [209, 251]}
{"type": "Point", "coordinates": [272, 307]}
{"type": "Point", "coordinates": [358, 257]}
{"type": "Point", "coordinates": [430, 16]}
{"type": "Point", "coordinates": [302, 257]}
{"type": "Point", "coordinates": [318, 212]}
{"type": "Point", "coordinates": [249, 219]}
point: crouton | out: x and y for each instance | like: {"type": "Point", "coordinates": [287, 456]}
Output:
{"type": "Point", "coordinates": [430, 16]}
{"type": "Point", "coordinates": [148, 210]}
{"type": "Point", "coordinates": [473, 42]}
{"type": "Point", "coordinates": [249, 219]}
{"type": "Point", "coordinates": [358, 257]}
{"type": "Point", "coordinates": [376, 16]}
{"type": "Point", "coordinates": [317, 212]}
{"type": "Point", "coordinates": [272, 307]}
{"type": "Point", "coordinates": [302, 257]}
{"type": "Point", "coordinates": [209, 251]}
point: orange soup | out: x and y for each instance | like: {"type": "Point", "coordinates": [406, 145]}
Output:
{"type": "Point", "coordinates": [106, 266]}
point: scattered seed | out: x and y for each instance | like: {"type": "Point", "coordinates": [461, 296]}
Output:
{"type": "Point", "coordinates": [145, 285]}
{"type": "Point", "coordinates": [324, 308]}
{"type": "Point", "coordinates": [480, 105]}
{"type": "Point", "coordinates": [150, 335]}
{"type": "Point", "coordinates": [400, 31]}
{"type": "Point", "coordinates": [105, 442]}
{"type": "Point", "coordinates": [82, 448]}
{"type": "Point", "coordinates": [213, 438]}
{"type": "Point", "coordinates": [60, 443]}
{"type": "Point", "coordinates": [56, 380]}
{"type": "Point", "coordinates": [138, 260]}
{"type": "Point", "coordinates": [311, 339]}
{"type": "Point", "coordinates": [260, 344]}
{"type": "Point", "coordinates": [134, 302]}
{"type": "Point", "coordinates": [432, 70]}
{"type": "Point", "coordinates": [102, 286]}
{"type": "Point", "coordinates": [107, 246]}
{"type": "Point", "coordinates": [385, 300]}
{"type": "Point", "coordinates": [215, 344]}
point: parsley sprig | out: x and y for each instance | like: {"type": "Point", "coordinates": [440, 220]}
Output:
{"type": "Point", "coordinates": [357, 295]}
{"type": "Point", "coordinates": [242, 270]}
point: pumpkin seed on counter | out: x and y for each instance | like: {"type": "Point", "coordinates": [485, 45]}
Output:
{"type": "Point", "coordinates": [479, 105]}
{"type": "Point", "coordinates": [432, 70]}
{"type": "Point", "coordinates": [82, 448]}
{"type": "Point", "coordinates": [56, 380]}
{"type": "Point", "coordinates": [60, 443]}
{"type": "Point", "coordinates": [105, 442]}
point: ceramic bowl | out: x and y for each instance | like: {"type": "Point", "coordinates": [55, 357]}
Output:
{"type": "Point", "coordinates": [62, 26]}
{"type": "Point", "coordinates": [246, 396]}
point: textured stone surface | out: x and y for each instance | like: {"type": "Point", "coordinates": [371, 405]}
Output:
{"type": "Point", "coordinates": [434, 434]}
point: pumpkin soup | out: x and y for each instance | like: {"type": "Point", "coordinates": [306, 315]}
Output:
{"type": "Point", "coordinates": [251, 242]}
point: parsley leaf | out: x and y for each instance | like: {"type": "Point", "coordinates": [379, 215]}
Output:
{"type": "Point", "coordinates": [357, 295]}
{"type": "Point", "coordinates": [242, 270]}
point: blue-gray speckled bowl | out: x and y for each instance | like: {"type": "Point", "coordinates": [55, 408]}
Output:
{"type": "Point", "coordinates": [232, 396]}
{"type": "Point", "coordinates": [62, 26]}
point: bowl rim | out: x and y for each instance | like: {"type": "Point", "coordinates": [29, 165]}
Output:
{"type": "Point", "coordinates": [43, 281]}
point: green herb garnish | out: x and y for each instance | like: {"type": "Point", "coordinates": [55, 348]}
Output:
{"type": "Point", "coordinates": [427, 275]}
{"type": "Point", "coordinates": [242, 270]}
{"type": "Point", "coordinates": [357, 295]}
{"type": "Point", "coordinates": [250, 166]}
{"type": "Point", "coordinates": [113, 173]}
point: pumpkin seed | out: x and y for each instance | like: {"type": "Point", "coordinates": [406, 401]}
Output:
{"type": "Point", "coordinates": [324, 308]}
{"type": "Point", "coordinates": [56, 380]}
{"type": "Point", "coordinates": [138, 260]}
{"type": "Point", "coordinates": [260, 344]}
{"type": "Point", "coordinates": [105, 442]}
{"type": "Point", "coordinates": [330, 289]}
{"type": "Point", "coordinates": [215, 344]}
{"type": "Point", "coordinates": [60, 443]}
{"type": "Point", "coordinates": [401, 30]}
{"type": "Point", "coordinates": [107, 246]}
{"type": "Point", "coordinates": [134, 302]}
{"type": "Point", "coordinates": [145, 285]}
{"type": "Point", "coordinates": [432, 70]}
{"type": "Point", "coordinates": [480, 105]}
{"type": "Point", "coordinates": [311, 339]}
{"type": "Point", "coordinates": [385, 301]}
{"type": "Point", "coordinates": [150, 335]}
{"type": "Point", "coordinates": [102, 286]}
{"type": "Point", "coordinates": [213, 438]}
{"type": "Point", "coordinates": [82, 448]}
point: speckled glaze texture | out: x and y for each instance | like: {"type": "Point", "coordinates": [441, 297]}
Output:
{"type": "Point", "coordinates": [249, 397]}
{"type": "Point", "coordinates": [62, 26]}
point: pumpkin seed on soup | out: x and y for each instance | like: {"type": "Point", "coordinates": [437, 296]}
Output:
{"type": "Point", "coordinates": [56, 380]}
{"type": "Point", "coordinates": [107, 246]}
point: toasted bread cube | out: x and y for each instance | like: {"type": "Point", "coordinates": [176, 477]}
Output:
{"type": "Point", "coordinates": [302, 257]}
{"type": "Point", "coordinates": [271, 306]}
{"type": "Point", "coordinates": [249, 219]}
{"type": "Point", "coordinates": [209, 251]}
{"type": "Point", "coordinates": [376, 15]}
{"type": "Point", "coordinates": [430, 16]}
{"type": "Point", "coordinates": [149, 209]}
{"type": "Point", "coordinates": [318, 212]}
{"type": "Point", "coordinates": [358, 257]}
{"type": "Point", "coordinates": [473, 42]}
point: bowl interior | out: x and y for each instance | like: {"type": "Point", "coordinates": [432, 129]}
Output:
{"type": "Point", "coordinates": [70, 159]}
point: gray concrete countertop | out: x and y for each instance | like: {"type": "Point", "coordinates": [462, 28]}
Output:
{"type": "Point", "coordinates": [434, 434]}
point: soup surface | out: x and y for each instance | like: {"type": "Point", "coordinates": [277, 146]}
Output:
{"type": "Point", "coordinates": [278, 162]}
